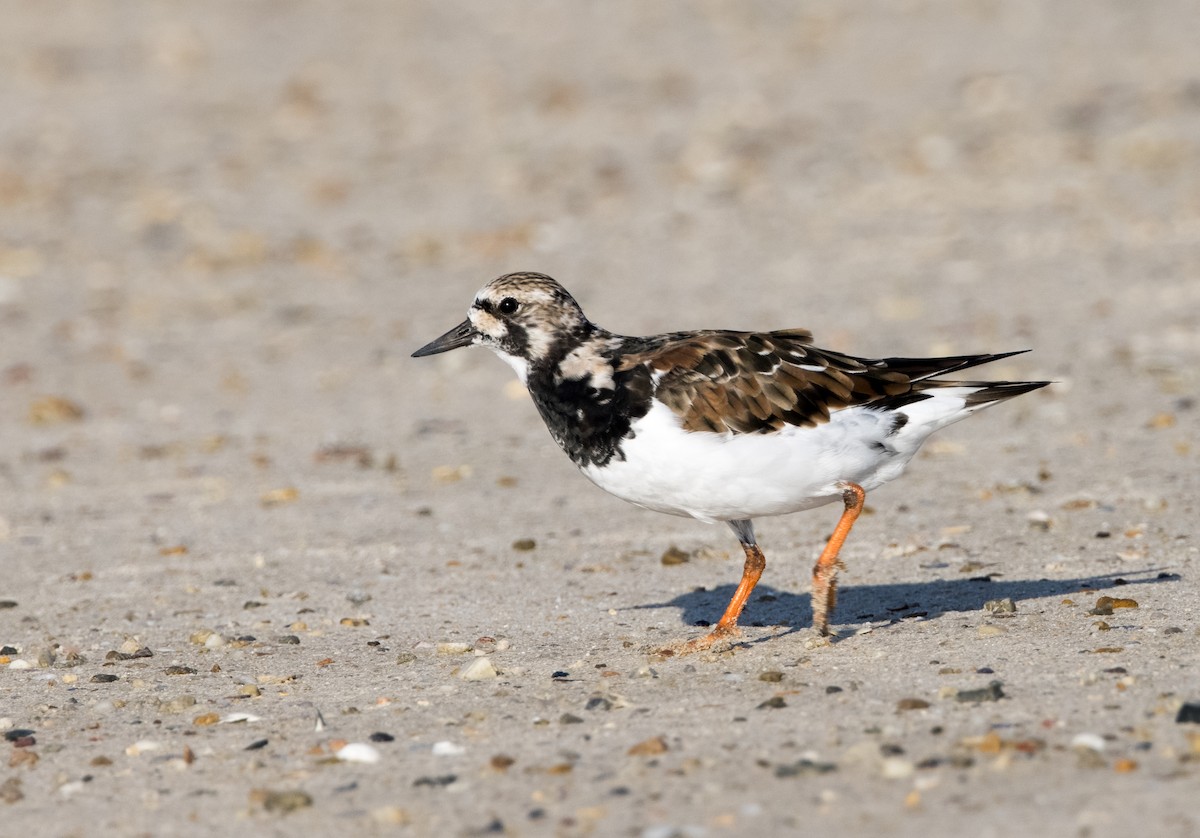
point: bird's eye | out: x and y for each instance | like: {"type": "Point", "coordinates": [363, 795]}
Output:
{"type": "Point", "coordinates": [508, 306]}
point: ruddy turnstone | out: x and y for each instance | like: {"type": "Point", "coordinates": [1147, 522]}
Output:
{"type": "Point", "coordinates": [721, 425]}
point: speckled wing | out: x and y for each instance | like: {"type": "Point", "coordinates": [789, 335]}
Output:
{"type": "Point", "coordinates": [752, 382]}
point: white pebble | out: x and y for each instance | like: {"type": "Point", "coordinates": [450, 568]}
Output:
{"type": "Point", "coordinates": [895, 768]}
{"type": "Point", "coordinates": [20, 663]}
{"type": "Point", "coordinates": [238, 718]}
{"type": "Point", "coordinates": [1091, 741]}
{"type": "Point", "coordinates": [142, 746]}
{"type": "Point", "coordinates": [480, 669]}
{"type": "Point", "coordinates": [445, 748]}
{"type": "Point", "coordinates": [358, 752]}
{"type": "Point", "coordinates": [6, 723]}
{"type": "Point", "coordinates": [73, 787]}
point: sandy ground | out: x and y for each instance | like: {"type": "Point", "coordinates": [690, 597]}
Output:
{"type": "Point", "coordinates": [231, 504]}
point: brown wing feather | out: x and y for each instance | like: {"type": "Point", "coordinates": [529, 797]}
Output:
{"type": "Point", "coordinates": [752, 382]}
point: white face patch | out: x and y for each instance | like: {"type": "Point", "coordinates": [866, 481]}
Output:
{"type": "Point", "coordinates": [520, 365]}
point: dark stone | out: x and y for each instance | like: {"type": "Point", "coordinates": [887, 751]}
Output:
{"type": "Point", "coordinates": [1189, 712]}
{"type": "Point", "coordinates": [104, 678]}
{"type": "Point", "coordinates": [438, 781]}
{"type": "Point", "coordinates": [382, 737]}
{"type": "Point", "coordinates": [992, 692]}
{"type": "Point", "coordinates": [803, 768]}
{"type": "Point", "coordinates": [773, 703]}
{"type": "Point", "coordinates": [256, 745]}
{"type": "Point", "coordinates": [598, 702]}
{"type": "Point", "coordinates": [17, 733]}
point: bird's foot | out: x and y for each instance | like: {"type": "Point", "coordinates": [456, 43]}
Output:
{"type": "Point", "coordinates": [819, 639]}
{"type": "Point", "coordinates": [720, 638]}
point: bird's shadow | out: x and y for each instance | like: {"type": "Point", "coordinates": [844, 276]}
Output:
{"type": "Point", "coordinates": [894, 602]}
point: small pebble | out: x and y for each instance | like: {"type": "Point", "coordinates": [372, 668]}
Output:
{"type": "Point", "coordinates": [992, 692]}
{"type": "Point", "coordinates": [911, 704]}
{"type": "Point", "coordinates": [179, 670]}
{"type": "Point", "coordinates": [598, 702]}
{"type": "Point", "coordinates": [453, 648]}
{"type": "Point", "coordinates": [649, 747]}
{"type": "Point", "coordinates": [17, 733]}
{"type": "Point", "coordinates": [446, 748]}
{"type": "Point", "coordinates": [435, 781]}
{"type": "Point", "coordinates": [281, 801]}
{"type": "Point", "coordinates": [1189, 712]}
{"type": "Point", "coordinates": [380, 736]}
{"type": "Point", "coordinates": [524, 545]}
{"type": "Point", "coordinates": [104, 678]}
{"type": "Point", "coordinates": [20, 663]}
{"type": "Point", "coordinates": [674, 556]}
{"type": "Point", "coordinates": [771, 676]}
{"type": "Point", "coordinates": [480, 669]}
{"type": "Point", "coordinates": [501, 762]}
{"type": "Point", "coordinates": [832, 689]}
{"type": "Point", "coordinates": [775, 702]}
{"type": "Point", "coordinates": [238, 718]}
{"type": "Point", "coordinates": [896, 768]}
{"type": "Point", "coordinates": [391, 816]}
{"type": "Point", "coordinates": [569, 719]}
{"type": "Point", "coordinates": [1039, 520]}
{"type": "Point", "coordinates": [358, 752]}
{"type": "Point", "coordinates": [1000, 606]}
{"type": "Point", "coordinates": [804, 768]}
{"type": "Point", "coordinates": [142, 746]}
{"type": "Point", "coordinates": [1088, 741]}
{"type": "Point", "coordinates": [288, 640]}
{"type": "Point", "coordinates": [257, 744]}
{"type": "Point", "coordinates": [988, 630]}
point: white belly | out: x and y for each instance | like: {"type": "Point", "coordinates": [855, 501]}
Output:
{"type": "Point", "coordinates": [724, 477]}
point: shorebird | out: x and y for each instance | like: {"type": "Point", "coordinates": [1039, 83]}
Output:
{"type": "Point", "coordinates": [722, 425]}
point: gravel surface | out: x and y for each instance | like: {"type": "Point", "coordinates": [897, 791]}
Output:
{"type": "Point", "coordinates": [260, 571]}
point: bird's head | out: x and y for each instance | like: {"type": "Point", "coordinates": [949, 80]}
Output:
{"type": "Point", "coordinates": [522, 317]}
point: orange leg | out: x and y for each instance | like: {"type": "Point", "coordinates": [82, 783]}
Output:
{"type": "Point", "coordinates": [824, 580]}
{"type": "Point", "coordinates": [727, 626]}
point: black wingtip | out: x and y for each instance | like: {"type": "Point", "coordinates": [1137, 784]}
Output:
{"type": "Point", "coordinates": [996, 391]}
{"type": "Point", "coordinates": [919, 369]}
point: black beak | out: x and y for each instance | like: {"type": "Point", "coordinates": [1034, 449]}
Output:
{"type": "Point", "coordinates": [463, 334]}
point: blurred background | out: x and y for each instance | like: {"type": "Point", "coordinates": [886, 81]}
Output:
{"type": "Point", "coordinates": [224, 226]}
